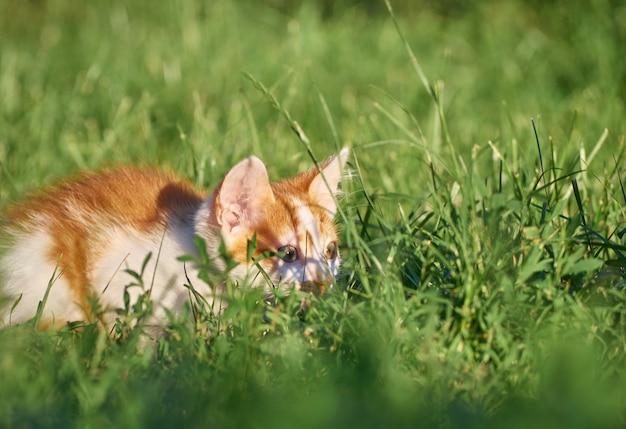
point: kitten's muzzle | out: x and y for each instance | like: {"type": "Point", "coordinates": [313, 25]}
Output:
{"type": "Point", "coordinates": [314, 288]}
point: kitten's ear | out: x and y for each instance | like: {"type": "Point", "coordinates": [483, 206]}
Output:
{"type": "Point", "coordinates": [243, 196]}
{"type": "Point", "coordinates": [325, 186]}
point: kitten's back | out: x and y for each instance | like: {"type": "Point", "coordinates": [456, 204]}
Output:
{"type": "Point", "coordinates": [132, 196]}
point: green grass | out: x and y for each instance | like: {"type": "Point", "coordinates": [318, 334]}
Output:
{"type": "Point", "coordinates": [484, 263]}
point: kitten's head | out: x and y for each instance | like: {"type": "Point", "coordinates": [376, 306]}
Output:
{"type": "Point", "coordinates": [291, 221]}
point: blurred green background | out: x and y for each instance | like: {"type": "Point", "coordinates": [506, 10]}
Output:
{"type": "Point", "coordinates": [479, 329]}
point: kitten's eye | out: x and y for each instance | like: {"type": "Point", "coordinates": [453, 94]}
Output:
{"type": "Point", "coordinates": [288, 253]}
{"type": "Point", "coordinates": [331, 250]}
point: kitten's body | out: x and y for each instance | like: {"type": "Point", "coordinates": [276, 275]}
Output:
{"type": "Point", "coordinates": [93, 229]}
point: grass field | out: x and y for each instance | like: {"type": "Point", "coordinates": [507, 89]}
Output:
{"type": "Point", "coordinates": [484, 271]}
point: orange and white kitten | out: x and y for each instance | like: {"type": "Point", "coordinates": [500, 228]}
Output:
{"type": "Point", "coordinates": [102, 224]}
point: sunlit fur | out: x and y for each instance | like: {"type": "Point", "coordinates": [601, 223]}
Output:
{"type": "Point", "coordinates": [84, 234]}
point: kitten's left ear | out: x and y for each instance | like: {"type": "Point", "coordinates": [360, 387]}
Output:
{"type": "Point", "coordinates": [325, 186]}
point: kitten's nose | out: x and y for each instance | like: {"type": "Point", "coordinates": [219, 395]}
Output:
{"type": "Point", "coordinates": [318, 279]}
{"type": "Point", "coordinates": [315, 288]}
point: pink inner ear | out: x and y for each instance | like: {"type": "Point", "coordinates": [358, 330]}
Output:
{"type": "Point", "coordinates": [325, 185]}
{"type": "Point", "coordinates": [243, 195]}
{"type": "Point", "coordinates": [231, 218]}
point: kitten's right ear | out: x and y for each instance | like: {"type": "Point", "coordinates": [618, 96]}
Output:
{"type": "Point", "coordinates": [242, 196]}
{"type": "Point", "coordinates": [324, 187]}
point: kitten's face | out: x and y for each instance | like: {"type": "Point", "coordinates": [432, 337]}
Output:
{"type": "Point", "coordinates": [291, 223]}
{"type": "Point", "coordinates": [296, 243]}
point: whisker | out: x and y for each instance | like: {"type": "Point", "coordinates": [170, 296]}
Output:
{"type": "Point", "coordinates": [306, 250]}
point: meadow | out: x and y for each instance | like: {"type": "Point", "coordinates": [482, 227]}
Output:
{"type": "Point", "coordinates": [484, 263]}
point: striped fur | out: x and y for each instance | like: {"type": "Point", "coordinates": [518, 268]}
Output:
{"type": "Point", "coordinates": [94, 228]}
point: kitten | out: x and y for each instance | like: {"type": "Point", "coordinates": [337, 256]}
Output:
{"type": "Point", "coordinates": [91, 230]}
